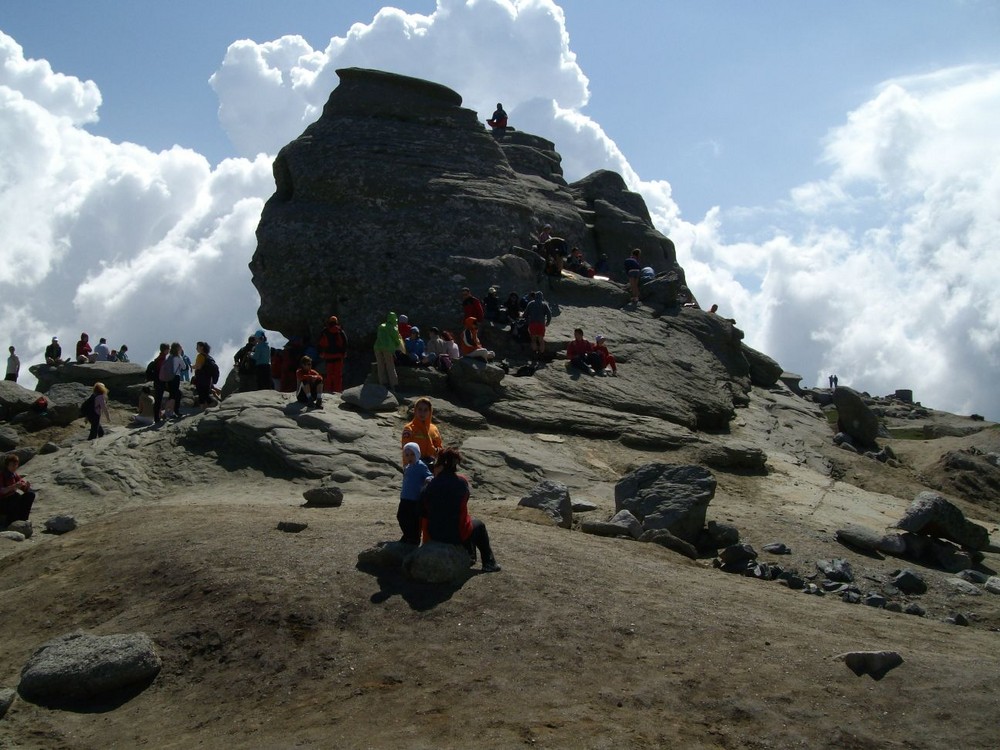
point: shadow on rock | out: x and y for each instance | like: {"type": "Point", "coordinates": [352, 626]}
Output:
{"type": "Point", "coordinates": [424, 576]}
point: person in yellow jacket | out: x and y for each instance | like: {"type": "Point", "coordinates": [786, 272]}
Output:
{"type": "Point", "coordinates": [422, 431]}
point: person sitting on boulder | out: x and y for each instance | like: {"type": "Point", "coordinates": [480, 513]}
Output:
{"type": "Point", "coordinates": [498, 122]}
{"type": "Point", "coordinates": [471, 306]}
{"type": "Point", "coordinates": [577, 264]}
{"type": "Point", "coordinates": [415, 348]}
{"type": "Point", "coordinates": [404, 327]}
{"type": "Point", "coordinates": [581, 354]}
{"type": "Point", "coordinates": [512, 308]}
{"type": "Point", "coordinates": [607, 360]}
{"type": "Point", "coordinates": [83, 350]}
{"type": "Point", "coordinates": [468, 343]}
{"type": "Point", "coordinates": [494, 310]}
{"type": "Point", "coordinates": [16, 496]}
{"type": "Point", "coordinates": [53, 353]}
{"type": "Point", "coordinates": [437, 351]}
{"type": "Point", "coordinates": [422, 430]}
{"type": "Point", "coordinates": [123, 353]}
{"type": "Point", "coordinates": [445, 510]}
{"type": "Point", "coordinates": [102, 352]}
{"type": "Point", "coordinates": [450, 346]}
{"type": "Point", "coordinates": [415, 476]}
{"type": "Point", "coordinates": [307, 379]}
{"type": "Point", "coordinates": [539, 316]}
{"type": "Point", "coordinates": [145, 415]}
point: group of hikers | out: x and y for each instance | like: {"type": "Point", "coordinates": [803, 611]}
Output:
{"type": "Point", "coordinates": [85, 353]}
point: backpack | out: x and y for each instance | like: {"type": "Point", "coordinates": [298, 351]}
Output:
{"type": "Point", "coordinates": [211, 369]}
{"type": "Point", "coordinates": [87, 407]}
{"type": "Point", "coordinates": [151, 370]}
{"type": "Point", "coordinates": [244, 361]}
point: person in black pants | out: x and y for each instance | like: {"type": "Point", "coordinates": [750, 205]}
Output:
{"type": "Point", "coordinates": [16, 496]}
{"type": "Point", "coordinates": [445, 502]}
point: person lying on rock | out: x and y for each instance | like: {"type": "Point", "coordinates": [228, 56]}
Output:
{"type": "Point", "coordinates": [422, 431]}
{"type": "Point", "coordinates": [581, 354]}
{"type": "Point", "coordinates": [16, 496]}
{"type": "Point", "coordinates": [445, 510]}
{"type": "Point", "coordinates": [415, 475]}
{"type": "Point", "coordinates": [309, 384]}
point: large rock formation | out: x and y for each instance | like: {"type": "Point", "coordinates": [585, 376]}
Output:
{"type": "Point", "coordinates": [398, 196]}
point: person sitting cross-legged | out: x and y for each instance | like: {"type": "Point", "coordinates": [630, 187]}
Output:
{"type": "Point", "coordinates": [309, 383]}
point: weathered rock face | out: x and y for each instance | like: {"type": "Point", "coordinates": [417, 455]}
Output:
{"type": "Point", "coordinates": [397, 188]}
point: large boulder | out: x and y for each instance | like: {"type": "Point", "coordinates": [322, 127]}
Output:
{"type": "Point", "coordinates": [665, 496]}
{"type": "Point", "coordinates": [80, 667]}
{"type": "Point", "coordinates": [64, 401]}
{"type": "Point", "coordinates": [932, 515]}
{"type": "Point", "coordinates": [855, 417]}
{"type": "Point", "coordinates": [553, 499]}
{"type": "Point", "coordinates": [15, 399]}
{"type": "Point", "coordinates": [117, 376]}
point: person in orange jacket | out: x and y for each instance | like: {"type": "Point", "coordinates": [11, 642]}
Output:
{"type": "Point", "coordinates": [332, 347]}
{"type": "Point", "coordinates": [422, 431]}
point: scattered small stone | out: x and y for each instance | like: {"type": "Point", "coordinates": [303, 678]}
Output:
{"type": "Point", "coordinates": [909, 582]}
{"type": "Point", "coordinates": [665, 539]}
{"type": "Point", "coordinates": [876, 664]}
{"type": "Point", "coordinates": [836, 570]}
{"type": "Point", "coordinates": [812, 588]}
{"type": "Point", "coordinates": [964, 587]}
{"type": "Point", "coordinates": [323, 497]}
{"type": "Point", "coordinates": [874, 600]}
{"type": "Point", "coordinates": [736, 556]}
{"type": "Point", "coordinates": [914, 609]}
{"type": "Point", "coordinates": [778, 548]}
{"type": "Point", "coordinates": [292, 527]}
{"type": "Point", "coordinates": [60, 524]}
{"type": "Point", "coordinates": [972, 576]}
{"type": "Point", "coordinates": [993, 584]}
{"type": "Point", "coordinates": [957, 619]}
{"type": "Point", "coordinates": [722, 534]}
{"type": "Point", "coordinates": [583, 506]}
{"type": "Point", "coordinates": [850, 597]}
{"type": "Point", "coordinates": [48, 448]}
{"type": "Point", "coordinates": [14, 536]}
{"type": "Point", "coordinates": [23, 527]}
{"type": "Point", "coordinates": [623, 523]}
{"type": "Point", "coordinates": [7, 696]}
{"type": "Point", "coordinates": [894, 607]}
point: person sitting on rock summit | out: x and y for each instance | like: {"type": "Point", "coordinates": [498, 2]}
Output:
{"type": "Point", "coordinates": [415, 348]}
{"type": "Point", "coordinates": [471, 306]}
{"type": "Point", "coordinates": [404, 327]}
{"type": "Point", "coordinates": [333, 349]}
{"type": "Point", "coordinates": [437, 352]}
{"type": "Point", "coordinates": [387, 343]}
{"type": "Point", "coordinates": [539, 316]}
{"type": "Point", "coordinates": [309, 388]}
{"type": "Point", "coordinates": [468, 342]}
{"type": "Point", "coordinates": [633, 270]}
{"type": "Point", "coordinates": [13, 365]}
{"type": "Point", "coordinates": [577, 264]}
{"type": "Point", "coordinates": [581, 354]}
{"type": "Point", "coordinates": [53, 353]}
{"type": "Point", "coordinates": [498, 122]}
{"type": "Point", "coordinates": [102, 352]}
{"type": "Point", "coordinates": [123, 353]}
{"type": "Point", "coordinates": [415, 476]}
{"type": "Point", "coordinates": [445, 510]}
{"type": "Point", "coordinates": [422, 431]}
{"type": "Point", "coordinates": [494, 310]}
{"type": "Point", "coordinates": [83, 350]}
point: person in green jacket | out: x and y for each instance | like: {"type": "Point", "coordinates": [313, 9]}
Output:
{"type": "Point", "coordinates": [387, 343]}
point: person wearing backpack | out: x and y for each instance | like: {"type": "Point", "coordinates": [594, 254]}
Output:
{"type": "Point", "coordinates": [94, 408]}
{"type": "Point", "coordinates": [206, 374]}
{"type": "Point", "coordinates": [243, 360]}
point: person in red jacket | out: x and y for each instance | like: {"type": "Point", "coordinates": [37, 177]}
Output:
{"type": "Point", "coordinates": [607, 359]}
{"type": "Point", "coordinates": [310, 384]}
{"type": "Point", "coordinates": [16, 496]}
{"type": "Point", "coordinates": [581, 354]}
{"type": "Point", "coordinates": [445, 509]}
{"type": "Point", "coordinates": [472, 307]}
{"type": "Point", "coordinates": [498, 122]}
{"type": "Point", "coordinates": [333, 349]}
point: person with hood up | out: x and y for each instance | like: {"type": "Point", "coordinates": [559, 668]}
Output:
{"type": "Point", "coordinates": [333, 349]}
{"type": "Point", "coordinates": [387, 343]}
{"type": "Point", "coordinates": [468, 343]}
{"type": "Point", "coordinates": [415, 475]}
{"type": "Point", "coordinates": [539, 316]}
{"type": "Point", "coordinates": [422, 431]}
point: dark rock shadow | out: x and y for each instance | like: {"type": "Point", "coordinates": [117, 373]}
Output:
{"type": "Point", "coordinates": [103, 703]}
{"type": "Point", "coordinates": [420, 596]}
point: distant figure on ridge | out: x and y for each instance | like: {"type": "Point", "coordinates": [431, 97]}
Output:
{"type": "Point", "coordinates": [53, 353]}
{"type": "Point", "coordinates": [13, 366]}
{"type": "Point", "coordinates": [498, 122]}
{"type": "Point", "coordinates": [83, 350]}
{"type": "Point", "coordinates": [102, 352]}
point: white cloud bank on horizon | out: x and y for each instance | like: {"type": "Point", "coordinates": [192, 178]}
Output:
{"type": "Point", "coordinates": [879, 273]}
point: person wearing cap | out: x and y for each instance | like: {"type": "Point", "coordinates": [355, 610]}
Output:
{"type": "Point", "coordinates": [404, 327]}
{"type": "Point", "coordinates": [262, 362]}
{"type": "Point", "coordinates": [471, 306]}
{"type": "Point", "coordinates": [494, 310]}
{"type": "Point", "coordinates": [415, 348]}
{"type": "Point", "coordinates": [607, 360]}
{"type": "Point", "coordinates": [53, 353]}
{"type": "Point", "coordinates": [415, 475]}
{"type": "Point", "coordinates": [332, 346]}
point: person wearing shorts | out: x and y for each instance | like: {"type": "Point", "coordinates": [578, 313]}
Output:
{"type": "Point", "coordinates": [539, 316]}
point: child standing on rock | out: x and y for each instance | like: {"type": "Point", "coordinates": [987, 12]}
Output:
{"type": "Point", "coordinates": [415, 474]}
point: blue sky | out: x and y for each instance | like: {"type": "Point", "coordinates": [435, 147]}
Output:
{"type": "Point", "coordinates": [827, 170]}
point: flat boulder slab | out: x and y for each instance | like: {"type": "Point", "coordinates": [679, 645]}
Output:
{"type": "Point", "coordinates": [875, 664]}
{"type": "Point", "coordinates": [370, 397]}
{"type": "Point", "coordinates": [553, 499]}
{"type": "Point", "coordinates": [854, 416]}
{"type": "Point", "coordinates": [867, 540]}
{"type": "Point", "coordinates": [117, 376]}
{"type": "Point", "coordinates": [622, 523]}
{"type": "Point", "coordinates": [80, 667]}
{"type": "Point", "coordinates": [667, 496]}
{"type": "Point", "coordinates": [930, 514]}
{"type": "Point", "coordinates": [739, 457]}
{"type": "Point", "coordinates": [437, 563]}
